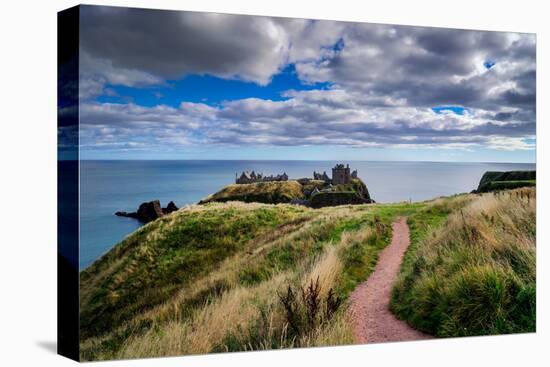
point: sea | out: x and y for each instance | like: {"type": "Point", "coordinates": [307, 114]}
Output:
{"type": "Point", "coordinates": [109, 186]}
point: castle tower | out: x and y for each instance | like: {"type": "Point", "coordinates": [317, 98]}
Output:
{"type": "Point", "coordinates": [341, 174]}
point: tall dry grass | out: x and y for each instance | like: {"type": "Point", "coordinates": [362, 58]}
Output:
{"type": "Point", "coordinates": [247, 317]}
{"type": "Point", "coordinates": [235, 305]}
{"type": "Point", "coordinates": [476, 274]}
{"type": "Point", "coordinates": [209, 325]}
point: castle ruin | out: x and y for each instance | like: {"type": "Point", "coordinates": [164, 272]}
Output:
{"type": "Point", "coordinates": [340, 175]}
{"type": "Point", "coordinates": [321, 177]}
{"type": "Point", "coordinates": [251, 177]}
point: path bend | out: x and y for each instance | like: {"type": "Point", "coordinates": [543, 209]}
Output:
{"type": "Point", "coordinates": [370, 301]}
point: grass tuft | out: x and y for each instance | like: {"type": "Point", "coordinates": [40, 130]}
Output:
{"type": "Point", "coordinates": [475, 275]}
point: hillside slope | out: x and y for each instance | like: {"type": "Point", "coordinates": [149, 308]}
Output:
{"type": "Point", "coordinates": [207, 278]}
{"type": "Point", "coordinates": [476, 274]}
{"type": "Point", "coordinates": [228, 276]}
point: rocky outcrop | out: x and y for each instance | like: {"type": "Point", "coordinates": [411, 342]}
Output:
{"type": "Point", "coordinates": [126, 214]}
{"type": "Point", "coordinates": [149, 211]}
{"type": "Point", "coordinates": [323, 199]}
{"type": "Point", "coordinates": [171, 207]}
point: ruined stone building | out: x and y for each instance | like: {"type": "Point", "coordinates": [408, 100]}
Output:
{"type": "Point", "coordinates": [341, 174]}
{"type": "Point", "coordinates": [322, 177]}
{"type": "Point", "coordinates": [251, 177]}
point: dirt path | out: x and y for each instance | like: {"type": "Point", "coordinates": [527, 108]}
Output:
{"type": "Point", "coordinates": [370, 301]}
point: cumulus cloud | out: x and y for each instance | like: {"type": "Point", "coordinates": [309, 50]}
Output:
{"type": "Point", "coordinates": [384, 81]}
{"type": "Point", "coordinates": [144, 45]}
{"type": "Point", "coordinates": [131, 127]}
{"type": "Point", "coordinates": [304, 119]}
{"type": "Point", "coordinates": [427, 66]}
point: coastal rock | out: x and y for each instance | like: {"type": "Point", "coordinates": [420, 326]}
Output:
{"type": "Point", "coordinates": [171, 207]}
{"type": "Point", "coordinates": [126, 214]}
{"type": "Point", "coordinates": [323, 199]}
{"type": "Point", "coordinates": [149, 211]}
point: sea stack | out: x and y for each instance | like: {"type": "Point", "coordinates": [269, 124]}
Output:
{"type": "Point", "coordinates": [149, 211]}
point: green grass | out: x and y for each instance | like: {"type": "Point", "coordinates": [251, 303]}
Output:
{"type": "Point", "coordinates": [359, 237]}
{"type": "Point", "coordinates": [359, 259]}
{"type": "Point", "coordinates": [356, 185]}
{"type": "Point", "coordinates": [172, 268]}
{"type": "Point", "coordinates": [474, 272]}
{"type": "Point", "coordinates": [273, 192]}
{"type": "Point", "coordinates": [164, 256]}
{"type": "Point", "coordinates": [310, 243]}
{"type": "Point", "coordinates": [312, 184]}
{"type": "Point", "coordinates": [206, 278]}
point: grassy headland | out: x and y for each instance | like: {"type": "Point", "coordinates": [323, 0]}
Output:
{"type": "Point", "coordinates": [495, 181]}
{"type": "Point", "coordinates": [231, 276]}
{"type": "Point", "coordinates": [278, 192]}
{"type": "Point", "coordinates": [271, 192]}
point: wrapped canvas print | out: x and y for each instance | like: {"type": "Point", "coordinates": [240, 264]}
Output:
{"type": "Point", "coordinates": [235, 183]}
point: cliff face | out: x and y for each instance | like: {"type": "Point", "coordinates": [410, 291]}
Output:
{"type": "Point", "coordinates": [493, 180]}
{"type": "Point", "coordinates": [337, 198]}
{"type": "Point", "coordinates": [353, 193]}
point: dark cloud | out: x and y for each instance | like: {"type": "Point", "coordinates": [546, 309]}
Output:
{"type": "Point", "coordinates": [170, 44]}
{"type": "Point", "coordinates": [384, 81]}
{"type": "Point", "coordinates": [428, 66]}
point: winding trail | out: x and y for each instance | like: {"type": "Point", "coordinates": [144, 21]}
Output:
{"type": "Point", "coordinates": [370, 301]}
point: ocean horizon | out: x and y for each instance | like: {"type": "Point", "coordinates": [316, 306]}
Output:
{"type": "Point", "coordinates": [107, 186]}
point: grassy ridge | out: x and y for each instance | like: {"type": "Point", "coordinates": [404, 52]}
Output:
{"type": "Point", "coordinates": [272, 192]}
{"type": "Point", "coordinates": [206, 278]}
{"type": "Point", "coordinates": [475, 275]}
{"type": "Point", "coordinates": [209, 278]}
{"type": "Point", "coordinates": [160, 258]}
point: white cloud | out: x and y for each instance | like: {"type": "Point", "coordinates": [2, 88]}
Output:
{"type": "Point", "coordinates": [329, 117]}
{"type": "Point", "coordinates": [383, 79]}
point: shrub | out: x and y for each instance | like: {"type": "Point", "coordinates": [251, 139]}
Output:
{"type": "Point", "coordinates": [305, 310]}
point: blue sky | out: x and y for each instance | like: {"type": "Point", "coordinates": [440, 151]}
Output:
{"type": "Point", "coordinates": [208, 89]}
{"type": "Point", "coordinates": [211, 86]}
